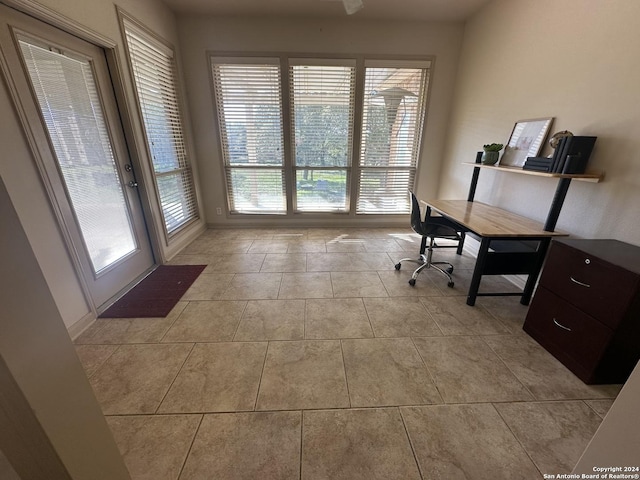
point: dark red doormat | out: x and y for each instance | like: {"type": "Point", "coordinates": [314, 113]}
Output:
{"type": "Point", "coordinates": [156, 294]}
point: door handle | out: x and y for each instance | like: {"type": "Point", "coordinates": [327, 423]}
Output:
{"type": "Point", "coordinates": [561, 326]}
{"type": "Point", "coordinates": [580, 283]}
{"type": "Point", "coordinates": [132, 184]}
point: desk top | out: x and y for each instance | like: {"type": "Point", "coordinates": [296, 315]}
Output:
{"type": "Point", "coordinates": [489, 221]}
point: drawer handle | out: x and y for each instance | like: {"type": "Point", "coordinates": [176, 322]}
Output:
{"type": "Point", "coordinates": [561, 326]}
{"type": "Point", "coordinates": [580, 283]}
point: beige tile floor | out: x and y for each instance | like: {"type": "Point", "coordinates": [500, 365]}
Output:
{"type": "Point", "coordinates": [303, 354]}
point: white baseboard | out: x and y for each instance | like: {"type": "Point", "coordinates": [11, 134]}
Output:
{"type": "Point", "coordinates": [81, 325]}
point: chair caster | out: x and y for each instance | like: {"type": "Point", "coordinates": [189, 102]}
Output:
{"type": "Point", "coordinates": [398, 265]}
{"type": "Point", "coordinates": [450, 284]}
{"type": "Point", "coordinates": [450, 270]}
{"type": "Point", "coordinates": [412, 282]}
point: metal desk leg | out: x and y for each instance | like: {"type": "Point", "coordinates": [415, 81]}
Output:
{"type": "Point", "coordinates": [556, 204]}
{"type": "Point", "coordinates": [477, 271]}
{"type": "Point", "coordinates": [543, 246]}
{"type": "Point", "coordinates": [461, 243]}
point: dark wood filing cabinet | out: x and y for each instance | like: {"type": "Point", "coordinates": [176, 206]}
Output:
{"type": "Point", "coordinates": [586, 310]}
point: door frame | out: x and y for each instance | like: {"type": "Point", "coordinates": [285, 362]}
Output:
{"type": "Point", "coordinates": [115, 67]}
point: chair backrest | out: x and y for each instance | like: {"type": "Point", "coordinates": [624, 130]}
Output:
{"type": "Point", "coordinates": [416, 216]}
{"type": "Point", "coordinates": [432, 226]}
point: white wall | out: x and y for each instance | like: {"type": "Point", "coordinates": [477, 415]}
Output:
{"type": "Point", "coordinates": [339, 36]}
{"type": "Point", "coordinates": [48, 407]}
{"type": "Point", "coordinates": [18, 168]}
{"type": "Point", "coordinates": [575, 60]}
{"type": "Point", "coordinates": [616, 443]}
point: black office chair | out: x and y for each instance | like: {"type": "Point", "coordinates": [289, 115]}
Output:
{"type": "Point", "coordinates": [430, 229]}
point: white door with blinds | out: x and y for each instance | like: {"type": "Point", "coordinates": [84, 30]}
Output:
{"type": "Point", "coordinates": [154, 70]}
{"type": "Point", "coordinates": [64, 88]}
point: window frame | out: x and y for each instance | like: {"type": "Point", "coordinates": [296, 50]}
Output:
{"type": "Point", "coordinates": [348, 167]}
{"type": "Point", "coordinates": [126, 21]}
{"type": "Point", "coordinates": [421, 114]}
{"type": "Point", "coordinates": [354, 170]}
{"type": "Point", "coordinates": [227, 166]}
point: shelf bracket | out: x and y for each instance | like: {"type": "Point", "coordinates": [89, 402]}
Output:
{"type": "Point", "coordinates": [474, 178]}
{"type": "Point", "coordinates": [556, 204]}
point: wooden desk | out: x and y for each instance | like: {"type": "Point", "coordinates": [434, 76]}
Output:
{"type": "Point", "coordinates": [509, 244]}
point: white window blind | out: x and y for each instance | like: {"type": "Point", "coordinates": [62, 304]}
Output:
{"type": "Point", "coordinates": [69, 101]}
{"type": "Point", "coordinates": [249, 107]}
{"type": "Point", "coordinates": [154, 72]}
{"type": "Point", "coordinates": [392, 121]}
{"type": "Point", "coordinates": [322, 111]}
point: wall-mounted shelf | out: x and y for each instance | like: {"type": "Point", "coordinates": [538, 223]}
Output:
{"type": "Point", "coordinates": [594, 177]}
{"type": "Point", "coordinates": [564, 180]}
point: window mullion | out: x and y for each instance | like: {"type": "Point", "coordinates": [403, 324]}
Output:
{"type": "Point", "coordinates": [354, 182]}
{"type": "Point", "coordinates": [289, 171]}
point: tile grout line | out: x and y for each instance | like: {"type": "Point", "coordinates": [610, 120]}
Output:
{"type": "Point", "coordinates": [431, 316]}
{"type": "Point", "coordinates": [508, 368]}
{"type": "Point", "coordinates": [104, 361]}
{"type": "Point", "coordinates": [264, 365]}
{"type": "Point", "coordinates": [235, 332]}
{"type": "Point", "coordinates": [193, 440]}
{"type": "Point", "coordinates": [516, 437]}
{"type": "Point", "coordinates": [184, 362]}
{"type": "Point", "coordinates": [413, 450]}
{"type": "Point", "coordinates": [304, 320]}
{"type": "Point", "coordinates": [424, 362]}
{"type": "Point", "coordinates": [301, 443]}
{"type": "Point", "coordinates": [344, 367]}
{"type": "Point", "coordinates": [188, 302]}
{"type": "Point", "coordinates": [366, 310]}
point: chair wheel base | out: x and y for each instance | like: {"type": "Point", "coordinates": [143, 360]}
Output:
{"type": "Point", "coordinates": [450, 270]}
{"type": "Point", "coordinates": [412, 282]}
{"type": "Point", "coordinates": [450, 284]}
{"type": "Point", "coordinates": [398, 265]}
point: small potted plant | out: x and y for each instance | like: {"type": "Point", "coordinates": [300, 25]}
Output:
{"type": "Point", "coordinates": [491, 151]}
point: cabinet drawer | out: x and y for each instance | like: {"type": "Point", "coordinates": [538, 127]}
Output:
{"type": "Point", "coordinates": [599, 289]}
{"type": "Point", "coordinates": [566, 331]}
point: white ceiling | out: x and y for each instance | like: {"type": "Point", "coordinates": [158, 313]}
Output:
{"type": "Point", "coordinates": [423, 10]}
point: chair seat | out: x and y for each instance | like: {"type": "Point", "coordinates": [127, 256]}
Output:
{"type": "Point", "coordinates": [430, 228]}
{"type": "Point", "coordinates": [440, 231]}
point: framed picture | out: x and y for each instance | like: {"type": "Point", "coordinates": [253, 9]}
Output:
{"type": "Point", "coordinates": [527, 138]}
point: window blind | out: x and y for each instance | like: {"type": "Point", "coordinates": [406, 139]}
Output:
{"type": "Point", "coordinates": [324, 165]}
{"type": "Point", "coordinates": [392, 121]}
{"type": "Point", "coordinates": [69, 101]}
{"type": "Point", "coordinates": [154, 73]}
{"type": "Point", "coordinates": [249, 107]}
{"type": "Point", "coordinates": [322, 114]}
